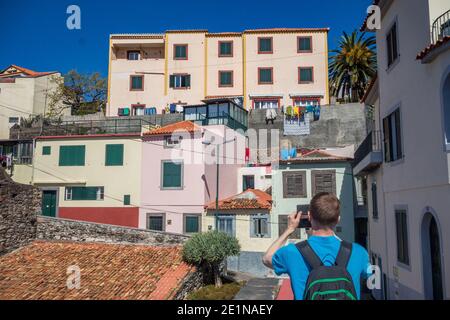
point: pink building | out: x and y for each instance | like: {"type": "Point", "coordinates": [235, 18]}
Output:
{"type": "Point", "coordinates": [179, 173]}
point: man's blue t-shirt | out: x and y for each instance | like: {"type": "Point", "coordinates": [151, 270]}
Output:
{"type": "Point", "coordinates": [289, 260]}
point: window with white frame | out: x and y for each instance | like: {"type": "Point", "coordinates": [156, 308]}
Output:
{"type": "Point", "coordinates": [392, 44]}
{"type": "Point", "coordinates": [225, 224]}
{"type": "Point", "coordinates": [134, 55]}
{"type": "Point", "coordinates": [266, 104]}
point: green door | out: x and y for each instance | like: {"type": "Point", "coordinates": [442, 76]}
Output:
{"type": "Point", "coordinates": [49, 203]}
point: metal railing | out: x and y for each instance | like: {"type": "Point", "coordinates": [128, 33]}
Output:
{"type": "Point", "coordinates": [372, 143]}
{"type": "Point", "coordinates": [441, 27]}
{"type": "Point", "coordinates": [221, 119]}
{"type": "Point", "coordinates": [90, 127]}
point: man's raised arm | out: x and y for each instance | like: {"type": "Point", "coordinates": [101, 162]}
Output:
{"type": "Point", "coordinates": [293, 222]}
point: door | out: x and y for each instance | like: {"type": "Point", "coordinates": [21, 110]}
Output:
{"type": "Point", "coordinates": [49, 203]}
{"type": "Point", "coordinates": [435, 253]}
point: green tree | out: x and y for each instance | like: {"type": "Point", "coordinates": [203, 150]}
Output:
{"type": "Point", "coordinates": [82, 93]}
{"type": "Point", "coordinates": [208, 250]}
{"type": "Point", "coordinates": [352, 66]}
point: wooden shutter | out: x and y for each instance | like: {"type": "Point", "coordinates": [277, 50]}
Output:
{"type": "Point", "coordinates": [114, 155]}
{"type": "Point", "coordinates": [294, 184]}
{"type": "Point", "coordinates": [188, 81]}
{"type": "Point", "coordinates": [172, 81]}
{"type": "Point", "coordinates": [387, 139]}
{"type": "Point", "coordinates": [171, 175]}
{"type": "Point", "coordinates": [398, 134]}
{"type": "Point", "coordinates": [282, 226]}
{"type": "Point", "coordinates": [72, 155]}
{"type": "Point", "coordinates": [323, 181]}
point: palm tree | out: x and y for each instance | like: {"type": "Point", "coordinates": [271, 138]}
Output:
{"type": "Point", "coordinates": [352, 66]}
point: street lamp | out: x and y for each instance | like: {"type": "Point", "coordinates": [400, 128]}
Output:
{"type": "Point", "coordinates": [209, 143]}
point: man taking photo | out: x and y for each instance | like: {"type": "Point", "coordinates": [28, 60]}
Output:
{"type": "Point", "coordinates": [324, 267]}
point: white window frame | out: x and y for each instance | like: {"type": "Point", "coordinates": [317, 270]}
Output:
{"type": "Point", "coordinates": [266, 104]}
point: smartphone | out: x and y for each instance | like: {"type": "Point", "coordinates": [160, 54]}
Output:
{"type": "Point", "coordinates": [304, 221]}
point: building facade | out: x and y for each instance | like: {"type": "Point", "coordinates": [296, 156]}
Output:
{"type": "Point", "coordinates": [246, 216]}
{"type": "Point", "coordinates": [408, 174]}
{"type": "Point", "coordinates": [95, 178]}
{"type": "Point", "coordinates": [297, 180]}
{"type": "Point", "coordinates": [23, 93]}
{"type": "Point", "coordinates": [180, 174]}
{"type": "Point", "coordinates": [267, 68]}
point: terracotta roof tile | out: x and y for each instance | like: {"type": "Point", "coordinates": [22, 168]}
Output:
{"type": "Point", "coordinates": [432, 47]}
{"type": "Point", "coordinates": [188, 126]}
{"type": "Point", "coordinates": [108, 272]}
{"type": "Point", "coordinates": [28, 72]}
{"type": "Point", "coordinates": [249, 199]}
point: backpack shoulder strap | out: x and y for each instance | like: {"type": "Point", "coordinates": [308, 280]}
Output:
{"type": "Point", "coordinates": [343, 257]}
{"type": "Point", "coordinates": [309, 255]}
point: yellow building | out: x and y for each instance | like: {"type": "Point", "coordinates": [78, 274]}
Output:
{"type": "Point", "coordinates": [246, 216]}
{"type": "Point", "coordinates": [94, 178]}
{"type": "Point", "coordinates": [267, 68]}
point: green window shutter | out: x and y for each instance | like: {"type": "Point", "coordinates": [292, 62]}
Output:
{"type": "Point", "coordinates": [136, 82]}
{"type": "Point", "coordinates": [265, 75]}
{"type": "Point", "coordinates": [225, 78]}
{"type": "Point", "coordinates": [114, 155]}
{"type": "Point", "coordinates": [72, 156]}
{"type": "Point", "coordinates": [180, 52]}
{"type": "Point", "coordinates": [188, 81]}
{"type": "Point", "coordinates": [172, 81]}
{"type": "Point", "coordinates": [46, 150]}
{"type": "Point", "coordinates": [126, 200]}
{"type": "Point", "coordinates": [304, 44]}
{"type": "Point", "coordinates": [265, 45]}
{"type": "Point", "coordinates": [225, 49]}
{"type": "Point", "coordinates": [171, 175]}
{"type": "Point", "coordinates": [306, 75]}
{"type": "Point", "coordinates": [84, 193]}
{"type": "Point", "coordinates": [192, 224]}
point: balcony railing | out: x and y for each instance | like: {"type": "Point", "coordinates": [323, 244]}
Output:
{"type": "Point", "coordinates": [372, 143]}
{"type": "Point", "coordinates": [92, 127]}
{"type": "Point", "coordinates": [441, 27]}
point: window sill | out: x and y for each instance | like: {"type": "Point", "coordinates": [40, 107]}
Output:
{"type": "Point", "coordinates": [396, 162]}
{"type": "Point", "coordinates": [168, 189]}
{"type": "Point", "coordinates": [403, 266]}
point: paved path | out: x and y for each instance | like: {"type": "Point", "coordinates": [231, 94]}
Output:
{"type": "Point", "coordinates": [259, 289]}
{"type": "Point", "coordinates": [285, 292]}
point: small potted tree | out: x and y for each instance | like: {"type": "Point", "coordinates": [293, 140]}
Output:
{"type": "Point", "coordinates": [208, 250]}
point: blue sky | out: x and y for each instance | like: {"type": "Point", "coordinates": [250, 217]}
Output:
{"type": "Point", "coordinates": [37, 38]}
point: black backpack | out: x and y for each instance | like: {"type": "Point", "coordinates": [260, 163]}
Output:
{"type": "Point", "coordinates": [328, 283]}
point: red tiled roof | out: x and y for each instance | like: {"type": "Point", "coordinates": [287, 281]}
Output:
{"type": "Point", "coordinates": [26, 71]}
{"type": "Point", "coordinates": [249, 199]}
{"type": "Point", "coordinates": [432, 47]}
{"type": "Point", "coordinates": [108, 272]}
{"type": "Point", "coordinates": [284, 30]}
{"type": "Point", "coordinates": [188, 126]}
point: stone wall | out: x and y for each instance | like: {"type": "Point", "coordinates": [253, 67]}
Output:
{"type": "Point", "coordinates": [19, 206]}
{"type": "Point", "coordinates": [191, 283]}
{"type": "Point", "coordinates": [339, 126]}
{"type": "Point", "coordinates": [70, 230]}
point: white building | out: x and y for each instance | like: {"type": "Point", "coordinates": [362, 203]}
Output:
{"type": "Point", "coordinates": [23, 93]}
{"type": "Point", "coordinates": [406, 157]}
